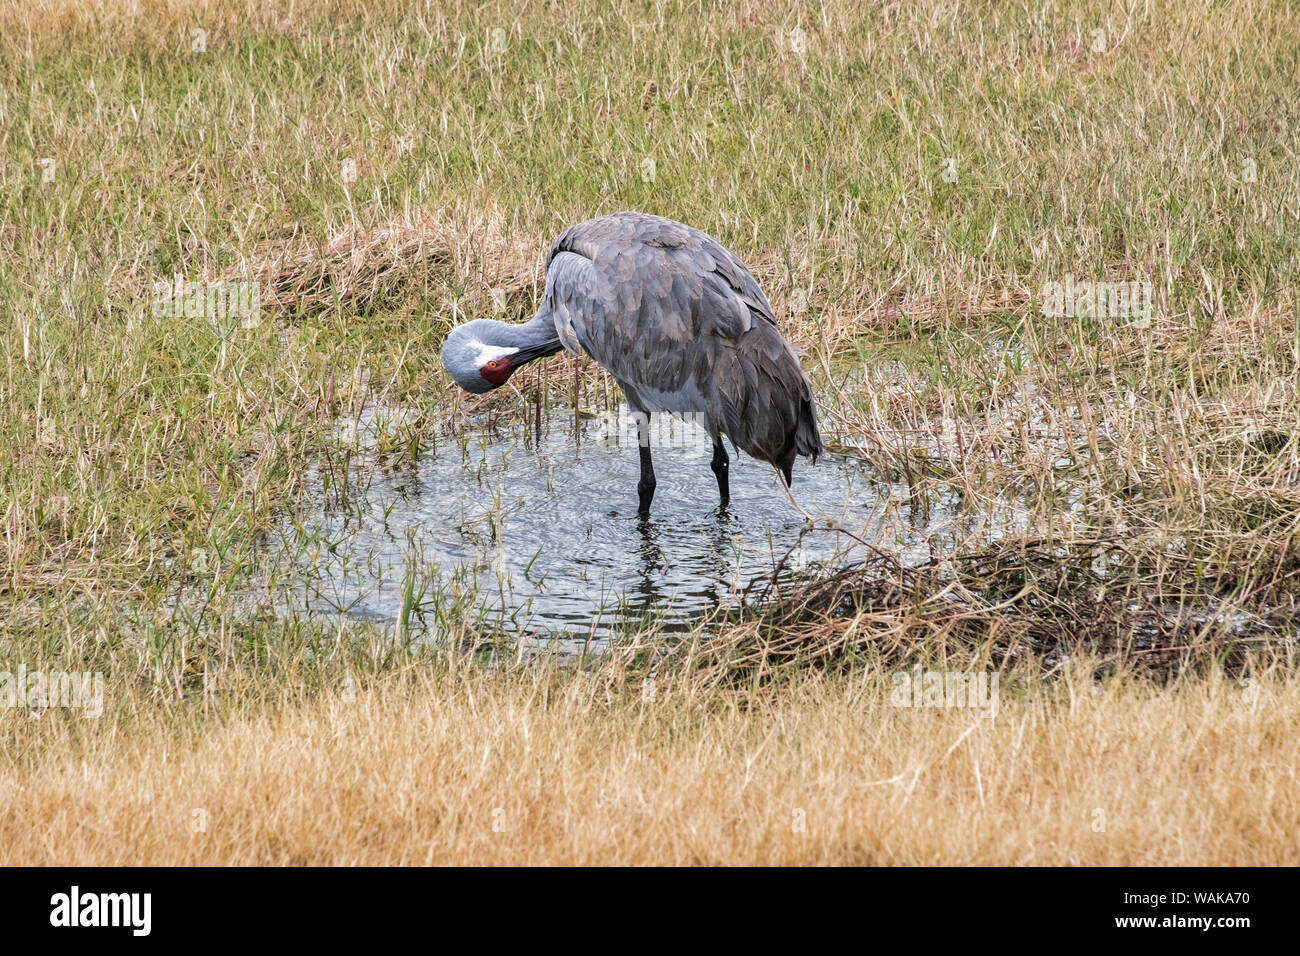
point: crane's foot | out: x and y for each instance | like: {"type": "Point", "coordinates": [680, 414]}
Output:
{"type": "Point", "coordinates": [645, 492]}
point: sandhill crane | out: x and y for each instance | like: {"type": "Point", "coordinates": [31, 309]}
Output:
{"type": "Point", "coordinates": [681, 325]}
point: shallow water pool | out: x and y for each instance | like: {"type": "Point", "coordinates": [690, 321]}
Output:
{"type": "Point", "coordinates": [545, 536]}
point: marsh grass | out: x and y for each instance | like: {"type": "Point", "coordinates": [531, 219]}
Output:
{"type": "Point", "coordinates": [147, 457]}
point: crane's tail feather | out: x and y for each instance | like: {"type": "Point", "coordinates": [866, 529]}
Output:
{"type": "Point", "coordinates": [807, 439]}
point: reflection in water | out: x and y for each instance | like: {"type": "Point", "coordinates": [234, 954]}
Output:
{"type": "Point", "coordinates": [546, 536]}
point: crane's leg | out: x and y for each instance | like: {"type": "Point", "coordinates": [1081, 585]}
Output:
{"type": "Point", "coordinates": [645, 488]}
{"type": "Point", "coordinates": [721, 465]}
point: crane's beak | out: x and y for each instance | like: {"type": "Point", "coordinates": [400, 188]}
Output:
{"type": "Point", "coordinates": [531, 352]}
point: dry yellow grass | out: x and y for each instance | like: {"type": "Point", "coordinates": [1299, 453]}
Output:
{"type": "Point", "coordinates": [536, 766]}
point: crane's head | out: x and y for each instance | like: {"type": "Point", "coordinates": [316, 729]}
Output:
{"type": "Point", "coordinates": [476, 365]}
{"type": "Point", "coordinates": [482, 354]}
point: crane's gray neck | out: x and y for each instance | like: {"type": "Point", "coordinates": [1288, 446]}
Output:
{"type": "Point", "coordinates": [534, 339]}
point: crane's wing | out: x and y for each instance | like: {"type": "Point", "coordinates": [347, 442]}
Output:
{"type": "Point", "coordinates": [682, 325]}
